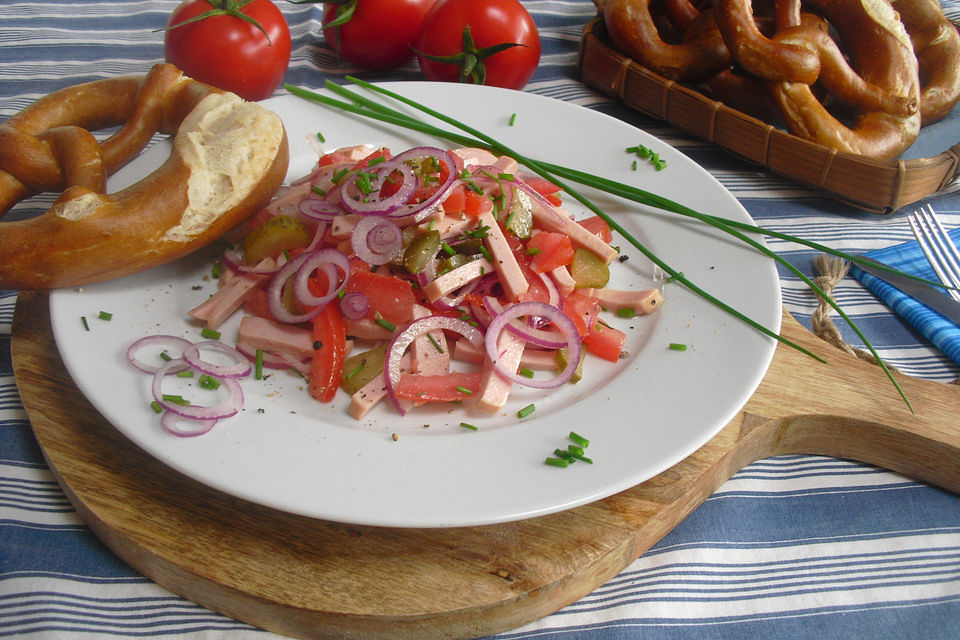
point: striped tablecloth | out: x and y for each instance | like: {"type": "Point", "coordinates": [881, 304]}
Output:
{"type": "Point", "coordinates": [790, 547]}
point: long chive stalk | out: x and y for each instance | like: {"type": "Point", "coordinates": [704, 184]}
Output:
{"type": "Point", "coordinates": [542, 171]}
{"type": "Point", "coordinates": [368, 108]}
{"type": "Point", "coordinates": [377, 111]}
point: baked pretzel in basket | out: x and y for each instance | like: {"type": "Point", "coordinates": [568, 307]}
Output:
{"type": "Point", "coordinates": [936, 44]}
{"type": "Point", "coordinates": [888, 120]}
{"type": "Point", "coordinates": [634, 32]}
{"type": "Point", "coordinates": [228, 158]}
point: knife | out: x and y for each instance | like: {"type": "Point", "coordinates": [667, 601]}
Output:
{"type": "Point", "coordinates": [923, 293]}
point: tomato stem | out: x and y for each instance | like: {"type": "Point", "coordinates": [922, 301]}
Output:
{"type": "Point", "coordinates": [225, 8]}
{"type": "Point", "coordinates": [470, 59]}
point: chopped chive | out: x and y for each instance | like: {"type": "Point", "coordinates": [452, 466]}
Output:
{"type": "Point", "coordinates": [210, 334]}
{"type": "Point", "coordinates": [505, 176]}
{"type": "Point", "coordinates": [525, 372]}
{"type": "Point", "coordinates": [320, 137]}
{"type": "Point", "coordinates": [156, 407]}
{"type": "Point", "coordinates": [185, 374]}
{"type": "Point", "coordinates": [208, 382]}
{"type": "Point", "coordinates": [565, 455]}
{"type": "Point", "coordinates": [105, 315]}
{"type": "Point", "coordinates": [485, 253]}
{"type": "Point", "coordinates": [579, 440]}
{"type": "Point", "coordinates": [574, 450]}
{"type": "Point", "coordinates": [434, 342]}
{"type": "Point", "coordinates": [513, 119]}
{"type": "Point", "coordinates": [338, 176]}
{"type": "Point", "coordinates": [217, 269]}
{"type": "Point", "coordinates": [165, 356]}
{"type": "Point", "coordinates": [383, 322]}
{"type": "Point", "coordinates": [634, 165]}
{"type": "Point", "coordinates": [175, 399]}
{"type": "Point", "coordinates": [581, 458]}
{"type": "Point", "coordinates": [527, 410]}
{"type": "Point", "coordinates": [532, 251]}
{"type": "Point", "coordinates": [317, 190]}
{"type": "Point", "coordinates": [448, 249]}
{"type": "Point", "coordinates": [626, 312]}
{"type": "Point", "coordinates": [467, 425]}
{"type": "Point", "coordinates": [83, 321]}
{"type": "Point", "coordinates": [677, 346]}
{"type": "Point", "coordinates": [376, 161]}
{"type": "Point", "coordinates": [557, 462]}
{"type": "Point", "coordinates": [357, 370]}
{"type": "Point", "coordinates": [258, 365]}
{"type": "Point", "coordinates": [469, 392]}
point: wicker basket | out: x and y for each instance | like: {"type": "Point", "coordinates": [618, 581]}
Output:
{"type": "Point", "coordinates": [881, 186]}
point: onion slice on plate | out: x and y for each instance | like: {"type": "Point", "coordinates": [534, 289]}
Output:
{"type": "Point", "coordinates": [229, 407]}
{"type": "Point", "coordinates": [176, 344]}
{"type": "Point", "coordinates": [556, 317]}
{"type": "Point", "coordinates": [400, 343]}
{"type": "Point", "coordinates": [237, 368]}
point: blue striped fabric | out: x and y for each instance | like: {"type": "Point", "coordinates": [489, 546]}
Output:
{"type": "Point", "coordinates": [909, 258]}
{"type": "Point", "coordinates": [791, 547]}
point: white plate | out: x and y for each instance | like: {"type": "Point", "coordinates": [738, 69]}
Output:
{"type": "Point", "coordinates": [642, 414]}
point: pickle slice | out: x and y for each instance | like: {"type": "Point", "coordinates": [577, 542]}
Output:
{"type": "Point", "coordinates": [280, 233]}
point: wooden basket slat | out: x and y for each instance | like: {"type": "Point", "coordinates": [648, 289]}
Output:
{"type": "Point", "coordinates": [873, 185]}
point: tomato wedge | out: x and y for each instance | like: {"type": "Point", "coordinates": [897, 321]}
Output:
{"type": "Point", "coordinates": [445, 387]}
{"type": "Point", "coordinates": [550, 250]}
{"type": "Point", "coordinates": [605, 341]}
{"type": "Point", "coordinates": [390, 296]}
{"type": "Point", "coordinates": [330, 348]}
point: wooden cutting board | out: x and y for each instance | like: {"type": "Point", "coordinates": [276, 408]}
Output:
{"type": "Point", "coordinates": [309, 578]}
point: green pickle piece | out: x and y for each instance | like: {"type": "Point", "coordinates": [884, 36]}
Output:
{"type": "Point", "coordinates": [589, 270]}
{"type": "Point", "coordinates": [452, 262]}
{"type": "Point", "coordinates": [563, 357]}
{"type": "Point", "coordinates": [520, 217]}
{"type": "Point", "coordinates": [280, 233]}
{"type": "Point", "coordinates": [360, 369]}
{"type": "Point", "coordinates": [421, 250]}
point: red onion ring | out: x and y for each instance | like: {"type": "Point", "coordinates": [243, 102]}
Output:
{"type": "Point", "coordinates": [225, 409]}
{"type": "Point", "coordinates": [231, 259]}
{"type": "Point", "coordinates": [329, 260]}
{"type": "Point", "coordinates": [178, 344]}
{"type": "Point", "coordinates": [557, 318]}
{"type": "Point", "coordinates": [354, 305]}
{"type": "Point", "coordinates": [300, 268]}
{"type": "Point", "coordinates": [318, 209]}
{"type": "Point", "coordinates": [371, 203]}
{"type": "Point", "coordinates": [376, 239]}
{"type": "Point", "coordinates": [422, 209]}
{"type": "Point", "coordinates": [174, 424]}
{"type": "Point", "coordinates": [398, 346]}
{"type": "Point", "coordinates": [538, 337]}
{"type": "Point", "coordinates": [238, 368]}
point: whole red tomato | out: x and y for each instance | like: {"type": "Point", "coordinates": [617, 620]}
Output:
{"type": "Point", "coordinates": [228, 51]}
{"type": "Point", "coordinates": [445, 47]}
{"type": "Point", "coordinates": [376, 34]}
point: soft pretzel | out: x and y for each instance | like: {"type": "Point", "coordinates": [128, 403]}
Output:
{"type": "Point", "coordinates": [880, 49]}
{"type": "Point", "coordinates": [936, 43]}
{"type": "Point", "coordinates": [227, 160]}
{"type": "Point", "coordinates": [764, 57]}
{"type": "Point", "coordinates": [633, 31]}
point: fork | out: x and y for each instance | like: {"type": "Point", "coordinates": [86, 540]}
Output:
{"type": "Point", "coordinates": [937, 246]}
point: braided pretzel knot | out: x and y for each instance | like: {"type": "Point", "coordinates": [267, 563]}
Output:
{"type": "Point", "coordinates": [884, 88]}
{"type": "Point", "coordinates": [634, 31]}
{"type": "Point", "coordinates": [227, 160]}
